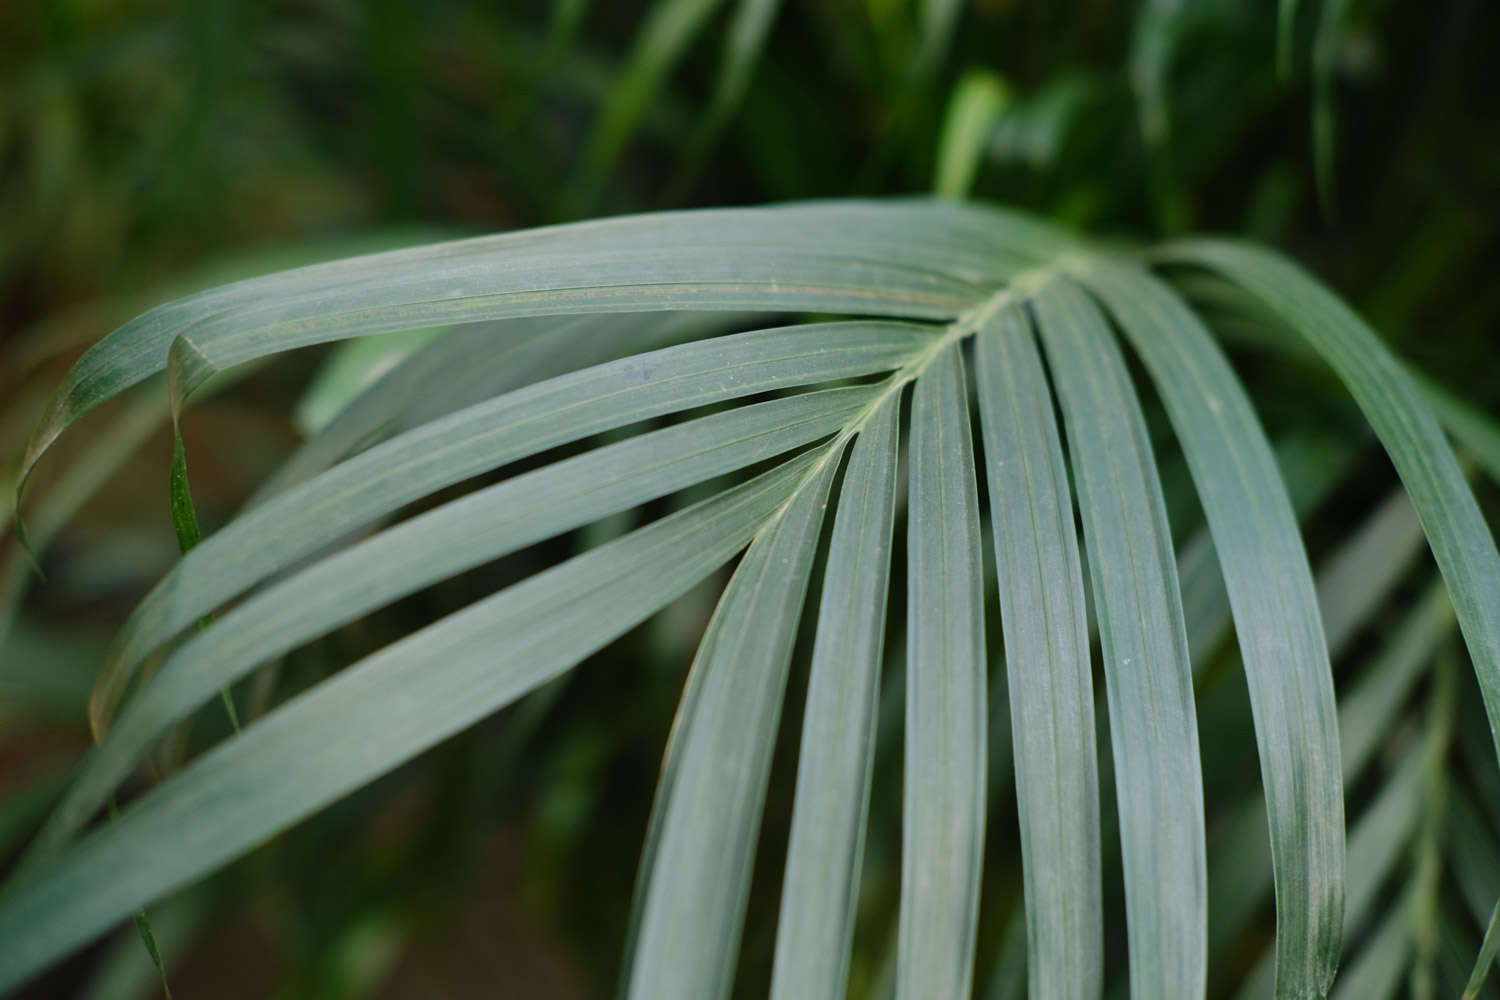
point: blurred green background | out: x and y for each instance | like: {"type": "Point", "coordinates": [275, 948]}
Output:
{"type": "Point", "coordinates": [149, 148]}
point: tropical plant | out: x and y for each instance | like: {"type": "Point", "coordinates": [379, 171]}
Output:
{"type": "Point", "coordinates": [748, 448]}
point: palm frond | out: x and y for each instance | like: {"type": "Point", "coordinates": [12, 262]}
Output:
{"type": "Point", "coordinates": [743, 436]}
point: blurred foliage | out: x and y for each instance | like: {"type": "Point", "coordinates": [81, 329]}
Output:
{"type": "Point", "coordinates": [148, 147]}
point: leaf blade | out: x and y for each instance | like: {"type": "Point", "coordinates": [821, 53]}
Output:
{"type": "Point", "coordinates": [1047, 662]}
{"type": "Point", "coordinates": [448, 539]}
{"type": "Point", "coordinates": [1139, 607]}
{"type": "Point", "coordinates": [695, 870]}
{"type": "Point", "coordinates": [943, 811]}
{"type": "Point", "coordinates": [820, 889]}
{"type": "Point", "coordinates": [1461, 541]}
{"type": "Point", "coordinates": [274, 535]}
{"type": "Point", "coordinates": [371, 716]}
{"type": "Point", "coordinates": [1276, 614]}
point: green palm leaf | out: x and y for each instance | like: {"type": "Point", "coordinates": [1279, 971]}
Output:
{"type": "Point", "coordinates": [566, 304]}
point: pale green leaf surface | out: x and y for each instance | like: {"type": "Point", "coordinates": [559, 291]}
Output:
{"type": "Point", "coordinates": [372, 716]}
{"type": "Point", "coordinates": [1312, 466]}
{"type": "Point", "coordinates": [387, 407]}
{"type": "Point", "coordinates": [1275, 609]}
{"type": "Point", "coordinates": [820, 889]}
{"type": "Point", "coordinates": [292, 525]}
{"type": "Point", "coordinates": [943, 812]}
{"type": "Point", "coordinates": [458, 535]}
{"type": "Point", "coordinates": [1376, 844]}
{"type": "Point", "coordinates": [1148, 679]}
{"type": "Point", "coordinates": [1047, 662]}
{"type": "Point", "coordinates": [1461, 540]}
{"type": "Point", "coordinates": [700, 845]}
{"type": "Point", "coordinates": [913, 259]}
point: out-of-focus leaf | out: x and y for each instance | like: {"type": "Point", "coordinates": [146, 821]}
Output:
{"type": "Point", "coordinates": [977, 102]}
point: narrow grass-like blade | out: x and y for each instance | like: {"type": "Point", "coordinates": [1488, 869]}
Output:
{"type": "Point", "coordinates": [1047, 662]}
{"type": "Point", "coordinates": [1486, 957]}
{"type": "Point", "coordinates": [977, 102]}
{"type": "Point", "coordinates": [944, 796]}
{"type": "Point", "coordinates": [1148, 679]}
{"type": "Point", "coordinates": [350, 369]}
{"type": "Point", "coordinates": [1276, 614]}
{"type": "Point", "coordinates": [825, 848]}
{"type": "Point", "coordinates": [1311, 465]}
{"type": "Point", "coordinates": [435, 545]}
{"type": "Point", "coordinates": [429, 375]}
{"type": "Point", "coordinates": [939, 20]}
{"type": "Point", "coordinates": [1378, 841]}
{"type": "Point", "coordinates": [1376, 973]}
{"type": "Point", "coordinates": [668, 32]}
{"type": "Point", "coordinates": [1324, 63]}
{"type": "Point", "coordinates": [700, 848]}
{"type": "Point", "coordinates": [293, 525]}
{"type": "Point", "coordinates": [1461, 540]}
{"type": "Point", "coordinates": [1366, 567]}
{"type": "Point", "coordinates": [370, 717]}
{"type": "Point", "coordinates": [1286, 22]}
{"type": "Point", "coordinates": [1369, 708]}
{"type": "Point", "coordinates": [744, 41]}
{"type": "Point", "coordinates": [1475, 855]}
